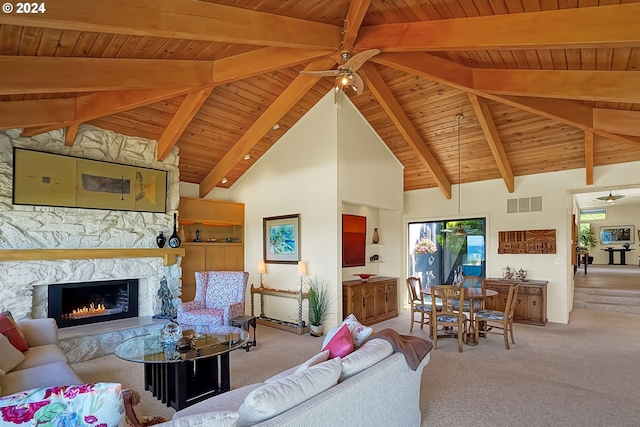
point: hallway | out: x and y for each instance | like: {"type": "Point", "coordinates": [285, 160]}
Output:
{"type": "Point", "coordinates": [623, 277]}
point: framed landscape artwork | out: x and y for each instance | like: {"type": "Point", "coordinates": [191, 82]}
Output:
{"type": "Point", "coordinates": [46, 179]}
{"type": "Point", "coordinates": [617, 234]}
{"type": "Point", "coordinates": [281, 240]}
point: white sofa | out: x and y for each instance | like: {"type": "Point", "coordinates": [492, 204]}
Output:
{"type": "Point", "coordinates": [45, 364]}
{"type": "Point", "coordinates": [384, 394]}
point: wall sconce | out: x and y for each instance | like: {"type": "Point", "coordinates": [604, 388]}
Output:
{"type": "Point", "coordinates": [302, 271]}
{"type": "Point", "coordinates": [262, 268]}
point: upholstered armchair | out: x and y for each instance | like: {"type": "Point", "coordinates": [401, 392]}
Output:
{"type": "Point", "coordinates": [219, 298]}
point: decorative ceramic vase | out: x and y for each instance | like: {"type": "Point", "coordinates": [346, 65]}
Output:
{"type": "Point", "coordinates": [181, 234]}
{"type": "Point", "coordinates": [376, 237]}
{"type": "Point", "coordinates": [197, 236]}
{"type": "Point", "coordinates": [315, 331]}
{"type": "Point", "coordinates": [161, 240]}
{"type": "Point", "coordinates": [174, 240]}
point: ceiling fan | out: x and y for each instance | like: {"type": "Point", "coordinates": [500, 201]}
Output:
{"type": "Point", "coordinates": [610, 198]}
{"type": "Point", "coordinates": [345, 75]}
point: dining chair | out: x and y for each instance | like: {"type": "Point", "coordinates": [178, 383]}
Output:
{"type": "Point", "coordinates": [418, 304]}
{"type": "Point", "coordinates": [494, 319]}
{"type": "Point", "coordinates": [446, 316]}
{"type": "Point", "coordinates": [471, 282]}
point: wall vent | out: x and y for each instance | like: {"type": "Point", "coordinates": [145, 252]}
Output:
{"type": "Point", "coordinates": [524, 204]}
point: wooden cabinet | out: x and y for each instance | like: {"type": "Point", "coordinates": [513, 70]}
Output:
{"type": "Point", "coordinates": [372, 301]}
{"type": "Point", "coordinates": [531, 306]}
{"type": "Point", "coordinates": [219, 226]}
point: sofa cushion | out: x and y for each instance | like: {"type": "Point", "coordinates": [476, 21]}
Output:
{"type": "Point", "coordinates": [314, 360]}
{"type": "Point", "coordinates": [341, 343]}
{"type": "Point", "coordinates": [51, 375]}
{"type": "Point", "coordinates": [229, 401]}
{"type": "Point", "coordinates": [42, 355]}
{"type": "Point", "coordinates": [9, 329]}
{"type": "Point", "coordinates": [368, 355]}
{"type": "Point", "coordinates": [279, 396]}
{"type": "Point", "coordinates": [210, 419]}
{"type": "Point", "coordinates": [87, 404]}
{"type": "Point", "coordinates": [10, 357]}
{"type": "Point", "coordinates": [359, 332]}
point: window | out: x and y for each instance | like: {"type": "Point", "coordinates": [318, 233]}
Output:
{"type": "Point", "coordinates": [593, 214]}
{"type": "Point", "coordinates": [453, 250]}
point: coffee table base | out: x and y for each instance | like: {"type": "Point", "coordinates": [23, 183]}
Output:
{"type": "Point", "coordinates": [182, 384]}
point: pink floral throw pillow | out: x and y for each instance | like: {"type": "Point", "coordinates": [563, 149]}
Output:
{"type": "Point", "coordinates": [359, 332]}
{"type": "Point", "coordinates": [341, 344]}
{"type": "Point", "coordinates": [85, 405]}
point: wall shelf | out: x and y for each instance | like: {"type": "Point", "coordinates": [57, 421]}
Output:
{"type": "Point", "coordinates": [168, 255]}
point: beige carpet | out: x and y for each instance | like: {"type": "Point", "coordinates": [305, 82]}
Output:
{"type": "Point", "coordinates": [582, 374]}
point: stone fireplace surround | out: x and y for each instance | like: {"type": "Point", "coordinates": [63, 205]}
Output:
{"type": "Point", "coordinates": [23, 284]}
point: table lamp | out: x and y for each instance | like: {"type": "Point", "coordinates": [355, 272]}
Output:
{"type": "Point", "coordinates": [262, 268]}
{"type": "Point", "coordinates": [302, 271]}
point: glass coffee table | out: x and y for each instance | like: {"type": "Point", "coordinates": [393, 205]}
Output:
{"type": "Point", "coordinates": [182, 378]}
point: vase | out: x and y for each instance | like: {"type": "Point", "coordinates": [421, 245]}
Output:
{"type": "Point", "coordinates": [315, 330]}
{"type": "Point", "coordinates": [161, 240]}
{"type": "Point", "coordinates": [376, 237]}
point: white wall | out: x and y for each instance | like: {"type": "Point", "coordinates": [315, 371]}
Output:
{"type": "Point", "coordinates": [488, 199]}
{"type": "Point", "coordinates": [616, 215]}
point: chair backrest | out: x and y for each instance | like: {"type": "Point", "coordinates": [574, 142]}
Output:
{"type": "Point", "coordinates": [219, 289]}
{"type": "Point", "coordinates": [512, 299]}
{"type": "Point", "coordinates": [445, 295]}
{"type": "Point", "coordinates": [473, 282]}
{"type": "Point", "coordinates": [414, 286]}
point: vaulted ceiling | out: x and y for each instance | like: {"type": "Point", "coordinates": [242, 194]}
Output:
{"type": "Point", "coordinates": [543, 85]}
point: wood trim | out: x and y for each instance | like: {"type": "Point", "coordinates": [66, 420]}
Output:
{"type": "Point", "coordinates": [483, 114]}
{"type": "Point", "coordinates": [388, 102]}
{"type": "Point", "coordinates": [281, 106]}
{"type": "Point", "coordinates": [355, 15]}
{"type": "Point", "coordinates": [588, 157]}
{"type": "Point", "coordinates": [617, 121]}
{"type": "Point", "coordinates": [181, 19]}
{"type": "Point", "coordinates": [181, 119]}
{"type": "Point", "coordinates": [601, 26]}
{"type": "Point", "coordinates": [23, 114]}
{"type": "Point", "coordinates": [167, 254]}
{"type": "Point", "coordinates": [70, 135]}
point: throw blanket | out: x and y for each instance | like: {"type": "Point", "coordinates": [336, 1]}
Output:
{"type": "Point", "coordinates": [413, 348]}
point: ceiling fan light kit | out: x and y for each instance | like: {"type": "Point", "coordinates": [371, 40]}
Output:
{"type": "Point", "coordinates": [610, 198]}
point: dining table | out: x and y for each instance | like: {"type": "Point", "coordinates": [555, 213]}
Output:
{"type": "Point", "coordinates": [471, 295]}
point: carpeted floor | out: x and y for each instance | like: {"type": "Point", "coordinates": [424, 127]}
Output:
{"type": "Point", "coordinates": [585, 373]}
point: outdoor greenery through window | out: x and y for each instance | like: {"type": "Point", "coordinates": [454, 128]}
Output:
{"type": "Point", "coordinates": [436, 249]}
{"type": "Point", "coordinates": [593, 214]}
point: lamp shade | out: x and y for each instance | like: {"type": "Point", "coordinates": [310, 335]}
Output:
{"type": "Point", "coordinates": [302, 268]}
{"type": "Point", "coordinates": [262, 268]}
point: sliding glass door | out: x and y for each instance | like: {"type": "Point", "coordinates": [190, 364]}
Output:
{"type": "Point", "coordinates": [438, 249]}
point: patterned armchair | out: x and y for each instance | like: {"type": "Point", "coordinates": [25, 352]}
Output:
{"type": "Point", "coordinates": [219, 298]}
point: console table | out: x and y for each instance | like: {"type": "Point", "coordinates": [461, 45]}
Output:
{"type": "Point", "coordinates": [531, 306]}
{"type": "Point", "coordinates": [623, 253]}
{"type": "Point", "coordinates": [300, 327]}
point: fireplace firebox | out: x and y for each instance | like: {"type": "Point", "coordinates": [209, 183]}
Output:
{"type": "Point", "coordinates": [72, 304]}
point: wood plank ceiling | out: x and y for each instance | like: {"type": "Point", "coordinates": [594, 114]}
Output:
{"type": "Point", "coordinates": [544, 85]}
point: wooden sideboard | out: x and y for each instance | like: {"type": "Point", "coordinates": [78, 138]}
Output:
{"type": "Point", "coordinates": [531, 307]}
{"type": "Point", "coordinates": [372, 301]}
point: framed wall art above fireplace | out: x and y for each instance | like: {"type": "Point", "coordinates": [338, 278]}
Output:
{"type": "Point", "coordinates": [46, 179]}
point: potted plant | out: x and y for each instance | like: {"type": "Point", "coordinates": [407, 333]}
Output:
{"type": "Point", "coordinates": [587, 239]}
{"type": "Point", "coordinates": [320, 300]}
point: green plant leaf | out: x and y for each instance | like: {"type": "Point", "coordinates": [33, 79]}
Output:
{"type": "Point", "coordinates": [45, 415]}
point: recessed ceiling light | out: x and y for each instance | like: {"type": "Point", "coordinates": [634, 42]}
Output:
{"type": "Point", "coordinates": [247, 156]}
{"type": "Point", "coordinates": [224, 180]}
{"type": "Point", "coordinates": [276, 126]}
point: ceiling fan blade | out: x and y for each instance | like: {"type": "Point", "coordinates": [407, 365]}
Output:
{"type": "Point", "coordinates": [356, 61]}
{"type": "Point", "coordinates": [358, 83]}
{"type": "Point", "coordinates": [322, 73]}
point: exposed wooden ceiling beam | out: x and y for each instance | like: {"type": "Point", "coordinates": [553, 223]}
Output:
{"type": "Point", "coordinates": [585, 85]}
{"type": "Point", "coordinates": [70, 134]}
{"type": "Point", "coordinates": [355, 15]}
{"type": "Point", "coordinates": [21, 114]}
{"type": "Point", "coordinates": [95, 105]}
{"type": "Point", "coordinates": [261, 61]}
{"type": "Point", "coordinates": [387, 100]}
{"type": "Point", "coordinates": [181, 19]}
{"type": "Point", "coordinates": [460, 77]}
{"type": "Point", "coordinates": [180, 120]}
{"type": "Point", "coordinates": [617, 121]}
{"type": "Point", "coordinates": [602, 26]}
{"type": "Point", "coordinates": [287, 99]}
{"type": "Point", "coordinates": [31, 74]}
{"type": "Point", "coordinates": [588, 156]}
{"type": "Point", "coordinates": [483, 114]}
